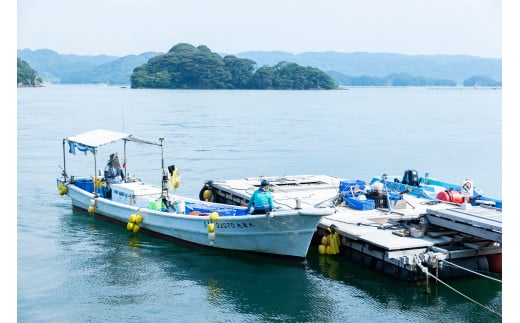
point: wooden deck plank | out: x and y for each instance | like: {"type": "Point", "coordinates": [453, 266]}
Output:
{"type": "Point", "coordinates": [371, 234]}
{"type": "Point", "coordinates": [479, 217]}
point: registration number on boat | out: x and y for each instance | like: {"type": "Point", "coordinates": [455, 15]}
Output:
{"type": "Point", "coordinates": [230, 225]}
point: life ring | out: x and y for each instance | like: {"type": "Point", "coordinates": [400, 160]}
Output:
{"type": "Point", "coordinates": [207, 193]}
{"type": "Point", "coordinates": [467, 187]}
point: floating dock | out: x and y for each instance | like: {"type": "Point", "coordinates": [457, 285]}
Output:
{"type": "Point", "coordinates": [399, 234]}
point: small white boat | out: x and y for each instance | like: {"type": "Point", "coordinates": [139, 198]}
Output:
{"type": "Point", "coordinates": [285, 231]}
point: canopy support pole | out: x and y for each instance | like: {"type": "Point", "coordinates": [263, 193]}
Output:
{"type": "Point", "coordinates": [64, 173]}
{"type": "Point", "coordinates": [164, 180]}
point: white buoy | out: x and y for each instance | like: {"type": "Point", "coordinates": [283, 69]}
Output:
{"type": "Point", "coordinates": [467, 192]}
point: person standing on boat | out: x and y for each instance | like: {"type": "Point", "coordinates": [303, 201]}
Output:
{"type": "Point", "coordinates": [113, 174]}
{"type": "Point", "coordinates": [261, 200]}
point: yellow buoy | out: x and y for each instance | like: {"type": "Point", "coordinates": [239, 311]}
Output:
{"type": "Point", "coordinates": [332, 244]}
{"type": "Point", "coordinates": [138, 218]}
{"type": "Point", "coordinates": [325, 240]}
{"type": "Point", "coordinates": [206, 195]}
{"type": "Point", "coordinates": [132, 218]}
{"type": "Point", "coordinates": [91, 209]}
{"type": "Point", "coordinates": [211, 227]}
{"type": "Point", "coordinates": [130, 226]}
{"type": "Point", "coordinates": [175, 179]}
{"type": "Point", "coordinates": [213, 216]}
{"type": "Point", "coordinates": [337, 242]}
{"type": "Point", "coordinates": [62, 189]}
{"type": "Point", "coordinates": [321, 249]}
{"type": "Point", "coordinates": [328, 250]}
{"type": "Point", "coordinates": [136, 228]}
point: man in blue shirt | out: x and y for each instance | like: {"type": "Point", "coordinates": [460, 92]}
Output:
{"type": "Point", "coordinates": [261, 200]}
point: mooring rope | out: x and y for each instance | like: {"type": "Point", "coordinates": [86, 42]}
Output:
{"type": "Point", "coordinates": [471, 271]}
{"type": "Point", "coordinates": [456, 291]}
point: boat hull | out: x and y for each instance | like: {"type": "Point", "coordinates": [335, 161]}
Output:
{"type": "Point", "coordinates": [285, 232]}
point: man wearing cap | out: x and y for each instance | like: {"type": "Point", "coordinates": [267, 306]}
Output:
{"type": "Point", "coordinates": [261, 200]}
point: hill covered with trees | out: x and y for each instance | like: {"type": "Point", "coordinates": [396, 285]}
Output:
{"type": "Point", "coordinates": [394, 79]}
{"type": "Point", "coordinates": [83, 69]}
{"type": "Point", "coordinates": [185, 66]}
{"type": "Point", "coordinates": [457, 68]}
{"type": "Point", "coordinates": [346, 69]}
{"type": "Point", "coordinates": [25, 75]}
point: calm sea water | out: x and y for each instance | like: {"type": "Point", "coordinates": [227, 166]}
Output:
{"type": "Point", "coordinates": [72, 268]}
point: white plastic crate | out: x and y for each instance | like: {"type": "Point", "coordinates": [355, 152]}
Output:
{"type": "Point", "coordinates": [128, 193]}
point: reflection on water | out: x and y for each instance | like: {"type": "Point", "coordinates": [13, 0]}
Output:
{"type": "Point", "coordinates": [255, 286]}
{"type": "Point", "coordinates": [397, 295]}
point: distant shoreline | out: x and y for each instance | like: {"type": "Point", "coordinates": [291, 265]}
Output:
{"type": "Point", "coordinates": [347, 87]}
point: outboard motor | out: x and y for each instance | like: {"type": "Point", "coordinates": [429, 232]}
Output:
{"type": "Point", "coordinates": [411, 178]}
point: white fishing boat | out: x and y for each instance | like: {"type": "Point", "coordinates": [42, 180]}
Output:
{"type": "Point", "coordinates": [141, 207]}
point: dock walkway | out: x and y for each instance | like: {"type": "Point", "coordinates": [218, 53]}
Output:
{"type": "Point", "coordinates": [477, 221]}
{"type": "Point", "coordinates": [381, 237]}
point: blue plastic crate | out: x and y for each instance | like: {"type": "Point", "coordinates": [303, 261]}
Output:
{"type": "Point", "coordinates": [358, 203]}
{"type": "Point", "coordinates": [346, 185]}
{"type": "Point", "coordinates": [85, 184]}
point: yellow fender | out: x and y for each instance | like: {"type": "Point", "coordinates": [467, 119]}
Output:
{"type": "Point", "coordinates": [62, 189]}
{"type": "Point", "coordinates": [213, 217]}
{"type": "Point", "coordinates": [332, 243]}
{"type": "Point", "coordinates": [175, 179]}
{"type": "Point", "coordinates": [336, 241]}
{"type": "Point", "coordinates": [133, 221]}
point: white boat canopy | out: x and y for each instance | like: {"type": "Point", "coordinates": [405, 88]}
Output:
{"type": "Point", "coordinates": [90, 140]}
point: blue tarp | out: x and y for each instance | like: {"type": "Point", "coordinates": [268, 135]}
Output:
{"type": "Point", "coordinates": [80, 147]}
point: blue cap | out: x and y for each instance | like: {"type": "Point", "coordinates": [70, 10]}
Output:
{"type": "Point", "coordinates": [264, 183]}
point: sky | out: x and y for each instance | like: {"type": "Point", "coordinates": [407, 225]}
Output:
{"type": "Point", "coordinates": [125, 27]}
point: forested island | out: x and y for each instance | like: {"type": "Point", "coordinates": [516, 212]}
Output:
{"type": "Point", "coordinates": [345, 69]}
{"type": "Point", "coordinates": [25, 75]}
{"type": "Point", "coordinates": [185, 66]}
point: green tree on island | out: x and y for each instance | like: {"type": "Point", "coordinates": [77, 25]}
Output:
{"type": "Point", "coordinates": [188, 67]}
{"type": "Point", "coordinates": [26, 76]}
